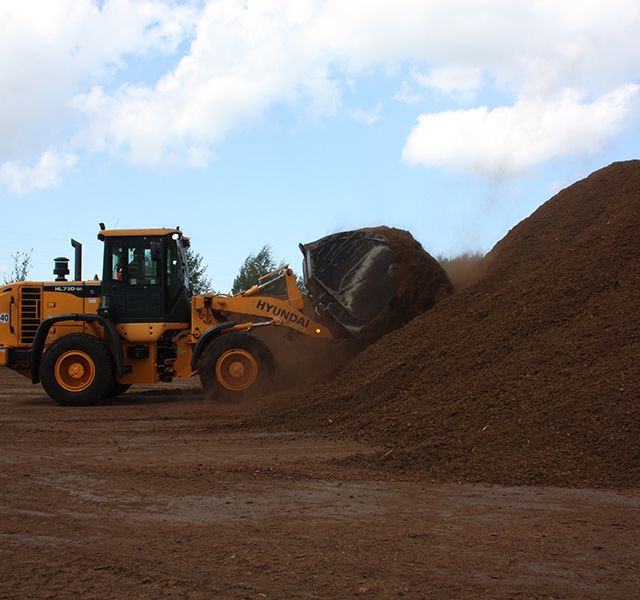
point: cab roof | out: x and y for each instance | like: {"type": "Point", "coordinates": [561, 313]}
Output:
{"type": "Point", "coordinates": [103, 233]}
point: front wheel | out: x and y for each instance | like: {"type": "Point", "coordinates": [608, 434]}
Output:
{"type": "Point", "coordinates": [235, 366]}
{"type": "Point", "coordinates": [77, 369]}
{"type": "Point", "coordinates": [117, 389]}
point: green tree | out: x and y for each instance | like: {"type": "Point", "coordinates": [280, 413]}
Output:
{"type": "Point", "coordinates": [21, 267]}
{"type": "Point", "coordinates": [254, 267]}
{"type": "Point", "coordinates": [200, 283]}
{"type": "Point", "coordinates": [257, 265]}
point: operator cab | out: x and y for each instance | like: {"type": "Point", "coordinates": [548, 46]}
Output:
{"type": "Point", "coordinates": [145, 276]}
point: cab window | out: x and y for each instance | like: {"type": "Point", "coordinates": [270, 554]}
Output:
{"type": "Point", "coordinates": [141, 268]}
{"type": "Point", "coordinates": [175, 271]}
{"type": "Point", "coordinates": [117, 262]}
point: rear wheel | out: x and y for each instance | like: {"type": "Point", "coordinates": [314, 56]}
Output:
{"type": "Point", "coordinates": [235, 366]}
{"type": "Point", "coordinates": [77, 369]}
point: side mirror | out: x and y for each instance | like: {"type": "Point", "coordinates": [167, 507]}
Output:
{"type": "Point", "coordinates": [156, 251]}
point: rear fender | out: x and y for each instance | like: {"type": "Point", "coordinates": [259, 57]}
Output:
{"type": "Point", "coordinates": [43, 332]}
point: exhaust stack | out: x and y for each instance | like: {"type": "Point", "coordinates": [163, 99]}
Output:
{"type": "Point", "coordinates": [77, 271]}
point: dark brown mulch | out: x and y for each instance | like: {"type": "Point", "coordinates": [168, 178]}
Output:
{"type": "Point", "coordinates": [528, 377]}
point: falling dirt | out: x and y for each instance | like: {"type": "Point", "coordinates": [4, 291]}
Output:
{"type": "Point", "coordinates": [465, 270]}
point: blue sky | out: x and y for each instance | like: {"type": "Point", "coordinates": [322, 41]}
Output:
{"type": "Point", "coordinates": [280, 121]}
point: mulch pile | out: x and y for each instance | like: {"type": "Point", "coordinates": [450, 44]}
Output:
{"type": "Point", "coordinates": [528, 377]}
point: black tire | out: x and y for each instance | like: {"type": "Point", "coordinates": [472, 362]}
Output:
{"type": "Point", "coordinates": [77, 369]}
{"type": "Point", "coordinates": [118, 389]}
{"type": "Point", "coordinates": [227, 364]}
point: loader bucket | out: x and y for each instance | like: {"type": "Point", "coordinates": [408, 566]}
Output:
{"type": "Point", "coordinates": [350, 278]}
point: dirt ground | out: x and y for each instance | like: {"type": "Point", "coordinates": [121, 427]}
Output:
{"type": "Point", "coordinates": [164, 494]}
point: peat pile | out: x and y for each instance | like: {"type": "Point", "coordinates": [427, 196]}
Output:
{"type": "Point", "coordinates": [528, 377]}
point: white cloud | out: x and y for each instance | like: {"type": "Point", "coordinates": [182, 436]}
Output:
{"type": "Point", "coordinates": [368, 117]}
{"type": "Point", "coordinates": [44, 174]}
{"type": "Point", "coordinates": [248, 56]}
{"type": "Point", "coordinates": [461, 83]}
{"type": "Point", "coordinates": [506, 140]}
{"type": "Point", "coordinates": [408, 93]}
{"type": "Point", "coordinates": [242, 61]}
{"type": "Point", "coordinates": [65, 65]}
{"type": "Point", "coordinates": [51, 50]}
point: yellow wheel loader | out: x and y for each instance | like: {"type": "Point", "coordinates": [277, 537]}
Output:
{"type": "Point", "coordinates": [86, 341]}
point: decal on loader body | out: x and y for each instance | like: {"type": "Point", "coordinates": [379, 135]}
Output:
{"type": "Point", "coordinates": [285, 315]}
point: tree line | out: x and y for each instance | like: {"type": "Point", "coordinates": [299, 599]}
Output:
{"type": "Point", "coordinates": [252, 269]}
{"type": "Point", "coordinates": [254, 266]}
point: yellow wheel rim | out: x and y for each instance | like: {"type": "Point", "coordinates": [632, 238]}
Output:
{"type": "Point", "coordinates": [75, 371]}
{"type": "Point", "coordinates": [237, 370]}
